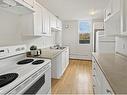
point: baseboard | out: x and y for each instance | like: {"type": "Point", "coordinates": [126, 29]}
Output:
{"type": "Point", "coordinates": [80, 59]}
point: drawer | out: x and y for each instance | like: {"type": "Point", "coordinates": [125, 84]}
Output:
{"type": "Point", "coordinates": [106, 87]}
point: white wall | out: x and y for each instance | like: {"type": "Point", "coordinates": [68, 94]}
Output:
{"type": "Point", "coordinates": [121, 45]}
{"type": "Point", "coordinates": [9, 34]}
{"type": "Point", "coordinates": [70, 38]}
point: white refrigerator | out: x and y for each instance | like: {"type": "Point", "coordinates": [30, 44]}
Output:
{"type": "Point", "coordinates": [104, 44]}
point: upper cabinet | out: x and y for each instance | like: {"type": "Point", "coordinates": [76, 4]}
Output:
{"type": "Point", "coordinates": [112, 8]}
{"type": "Point", "coordinates": [46, 22]}
{"type": "Point", "coordinates": [40, 22]}
{"type": "Point", "coordinates": [112, 21]}
{"type": "Point", "coordinates": [30, 2]}
{"type": "Point", "coordinates": [116, 18]}
{"type": "Point", "coordinates": [31, 24]}
{"type": "Point", "coordinates": [124, 17]}
{"type": "Point", "coordinates": [59, 24]}
{"type": "Point", "coordinates": [56, 24]}
{"type": "Point", "coordinates": [19, 7]}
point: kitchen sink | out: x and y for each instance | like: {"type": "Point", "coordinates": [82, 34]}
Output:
{"type": "Point", "coordinates": [58, 48]}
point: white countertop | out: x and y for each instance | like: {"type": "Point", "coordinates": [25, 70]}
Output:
{"type": "Point", "coordinates": [50, 53]}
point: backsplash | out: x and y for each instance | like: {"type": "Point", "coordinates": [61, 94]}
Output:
{"type": "Point", "coordinates": [121, 45]}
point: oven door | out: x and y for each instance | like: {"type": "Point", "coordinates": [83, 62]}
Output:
{"type": "Point", "coordinates": [42, 85]}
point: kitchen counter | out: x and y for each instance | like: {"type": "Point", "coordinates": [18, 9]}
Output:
{"type": "Point", "coordinates": [49, 53]}
{"type": "Point", "coordinates": [114, 67]}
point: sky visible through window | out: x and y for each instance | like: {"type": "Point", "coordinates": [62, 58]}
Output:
{"type": "Point", "coordinates": [84, 27]}
{"type": "Point", "coordinates": [84, 32]}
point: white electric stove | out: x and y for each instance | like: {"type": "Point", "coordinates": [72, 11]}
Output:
{"type": "Point", "coordinates": [22, 75]}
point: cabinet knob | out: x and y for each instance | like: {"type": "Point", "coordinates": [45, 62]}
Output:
{"type": "Point", "coordinates": [108, 91]}
{"type": "Point", "coordinates": [94, 75]}
{"type": "Point", "coordinates": [94, 86]}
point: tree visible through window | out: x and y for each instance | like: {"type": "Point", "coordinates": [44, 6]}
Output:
{"type": "Point", "coordinates": [84, 32]}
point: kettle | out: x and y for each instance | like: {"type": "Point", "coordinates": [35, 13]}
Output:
{"type": "Point", "coordinates": [35, 51]}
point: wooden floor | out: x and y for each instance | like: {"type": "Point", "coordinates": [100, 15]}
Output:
{"type": "Point", "coordinates": [76, 80]}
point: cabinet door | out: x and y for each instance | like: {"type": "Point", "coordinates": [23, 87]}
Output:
{"type": "Point", "coordinates": [37, 19]}
{"type": "Point", "coordinates": [108, 10]}
{"type": "Point", "coordinates": [53, 21]}
{"type": "Point", "coordinates": [116, 6]}
{"type": "Point", "coordinates": [30, 2]}
{"type": "Point", "coordinates": [59, 24]}
{"type": "Point", "coordinates": [46, 23]}
{"type": "Point", "coordinates": [124, 17]}
{"type": "Point", "coordinates": [67, 57]}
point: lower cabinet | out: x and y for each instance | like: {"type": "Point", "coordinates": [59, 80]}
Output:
{"type": "Point", "coordinates": [100, 83]}
{"type": "Point", "coordinates": [60, 63]}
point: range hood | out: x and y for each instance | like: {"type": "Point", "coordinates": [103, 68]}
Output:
{"type": "Point", "coordinates": [16, 6]}
{"type": "Point", "coordinates": [7, 3]}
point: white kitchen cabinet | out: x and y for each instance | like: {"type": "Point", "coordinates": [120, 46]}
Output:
{"type": "Point", "coordinates": [59, 24]}
{"type": "Point", "coordinates": [116, 4]}
{"type": "Point", "coordinates": [112, 25]}
{"type": "Point", "coordinates": [46, 22]}
{"type": "Point", "coordinates": [67, 57]}
{"type": "Point", "coordinates": [31, 24]}
{"type": "Point", "coordinates": [53, 21]}
{"type": "Point", "coordinates": [112, 20]}
{"type": "Point", "coordinates": [30, 2]}
{"type": "Point", "coordinates": [56, 68]}
{"type": "Point", "coordinates": [38, 23]}
{"type": "Point", "coordinates": [124, 17]}
{"type": "Point", "coordinates": [108, 10]}
{"type": "Point", "coordinates": [113, 7]}
{"type": "Point", "coordinates": [60, 63]}
{"type": "Point", "coordinates": [100, 83]}
{"type": "Point", "coordinates": [20, 7]}
{"type": "Point", "coordinates": [63, 61]}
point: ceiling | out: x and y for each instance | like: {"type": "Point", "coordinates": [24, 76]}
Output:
{"type": "Point", "coordinates": [76, 9]}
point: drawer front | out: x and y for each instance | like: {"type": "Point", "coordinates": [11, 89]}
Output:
{"type": "Point", "coordinates": [106, 87]}
{"type": "Point", "coordinates": [100, 83]}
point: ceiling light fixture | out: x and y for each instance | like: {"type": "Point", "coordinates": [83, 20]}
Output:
{"type": "Point", "coordinates": [92, 12]}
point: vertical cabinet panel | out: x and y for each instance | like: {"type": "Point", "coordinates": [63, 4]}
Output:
{"type": "Point", "coordinates": [38, 19]}
{"type": "Point", "coordinates": [124, 17]}
{"type": "Point", "coordinates": [46, 22]}
{"type": "Point", "coordinates": [53, 21]}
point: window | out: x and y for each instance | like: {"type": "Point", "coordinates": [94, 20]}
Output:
{"type": "Point", "coordinates": [84, 32]}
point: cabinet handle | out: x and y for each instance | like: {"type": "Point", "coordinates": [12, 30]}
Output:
{"type": "Point", "coordinates": [43, 33]}
{"type": "Point", "coordinates": [109, 14]}
{"type": "Point", "coordinates": [94, 86]}
{"type": "Point", "coordinates": [108, 91]}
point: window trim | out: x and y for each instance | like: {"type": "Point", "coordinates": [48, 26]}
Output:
{"type": "Point", "coordinates": [79, 32]}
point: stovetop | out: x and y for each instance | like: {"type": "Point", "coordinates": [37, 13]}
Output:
{"type": "Point", "coordinates": [7, 78]}
{"type": "Point", "coordinates": [30, 61]}
{"type": "Point", "coordinates": [23, 71]}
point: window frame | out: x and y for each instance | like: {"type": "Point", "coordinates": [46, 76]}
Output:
{"type": "Point", "coordinates": [86, 32]}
